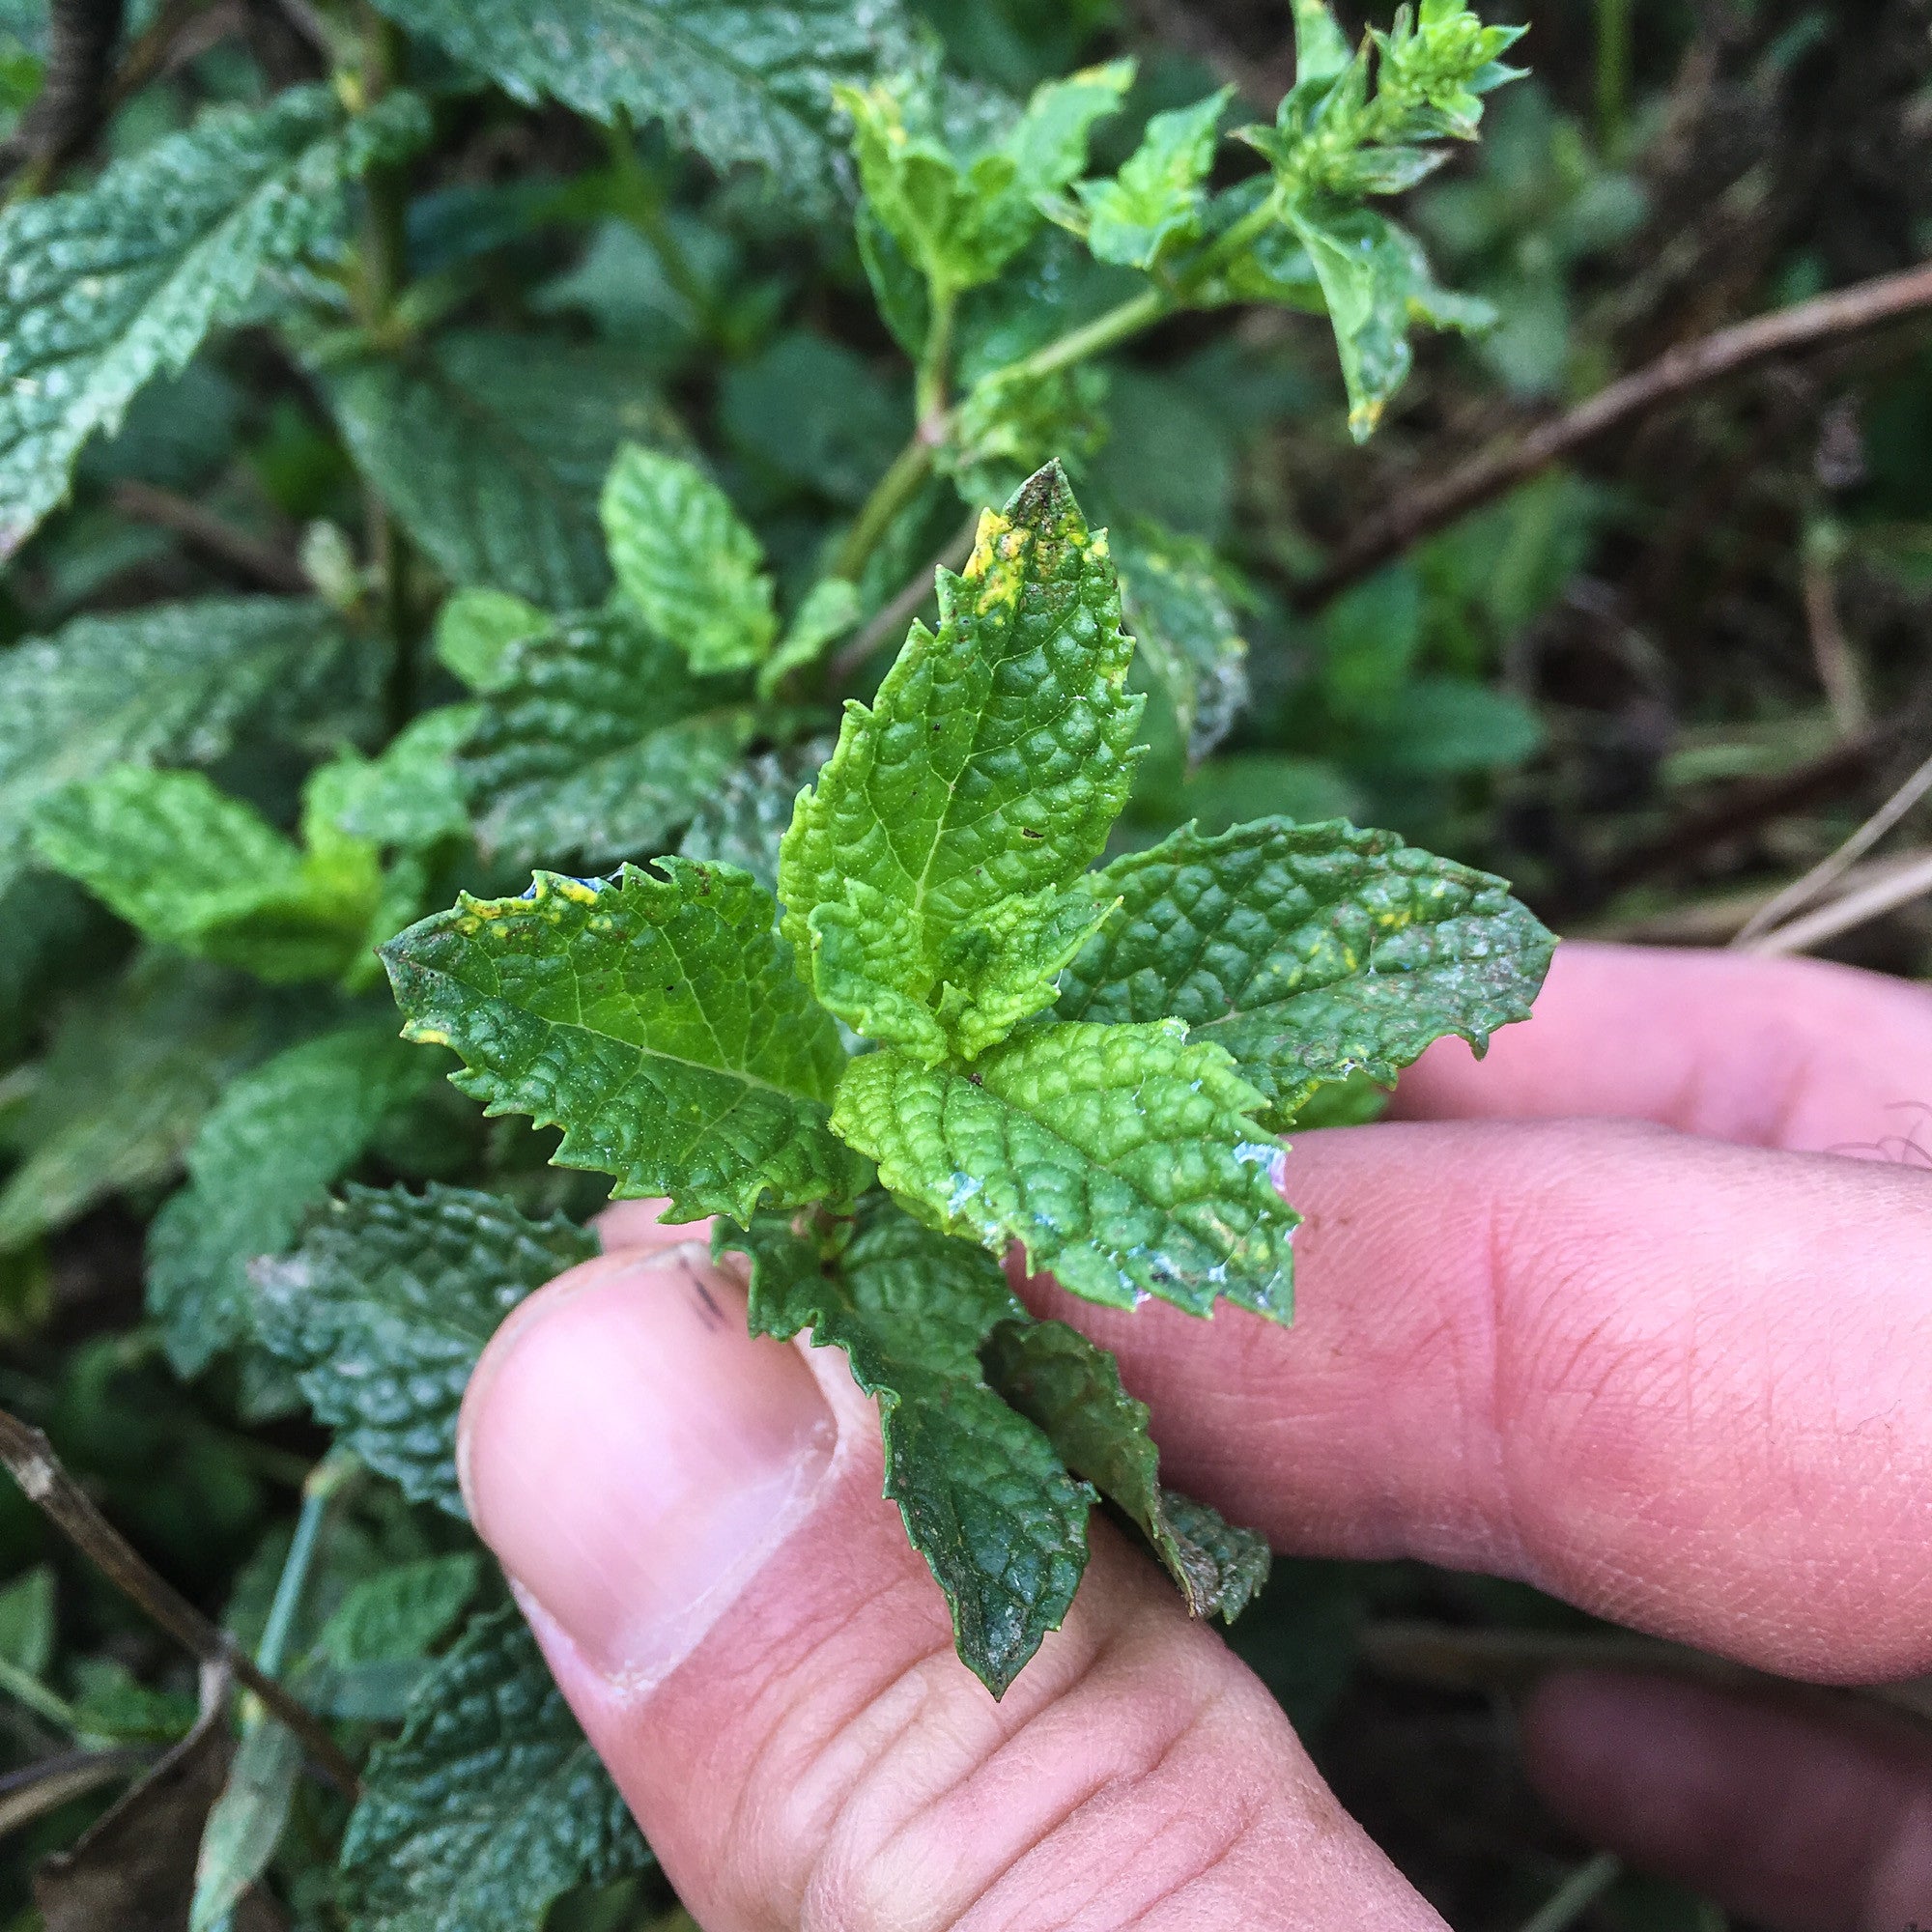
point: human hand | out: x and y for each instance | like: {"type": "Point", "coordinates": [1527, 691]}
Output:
{"type": "Point", "coordinates": [1670, 1366]}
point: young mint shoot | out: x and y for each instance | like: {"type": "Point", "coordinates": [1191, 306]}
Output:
{"type": "Point", "coordinates": [1082, 1071]}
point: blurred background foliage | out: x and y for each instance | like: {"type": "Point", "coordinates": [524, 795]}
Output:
{"type": "Point", "coordinates": [1652, 685]}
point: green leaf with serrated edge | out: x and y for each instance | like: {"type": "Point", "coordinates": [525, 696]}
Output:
{"type": "Point", "coordinates": [656, 1019]}
{"type": "Point", "coordinates": [961, 210]}
{"type": "Point", "coordinates": [1321, 49]}
{"type": "Point", "coordinates": [490, 1805]}
{"type": "Point", "coordinates": [384, 1306]}
{"type": "Point", "coordinates": [492, 447]}
{"type": "Point", "coordinates": [127, 1080]}
{"type": "Point", "coordinates": [831, 607]}
{"type": "Point", "coordinates": [596, 744]}
{"type": "Point", "coordinates": [745, 815]}
{"type": "Point", "coordinates": [413, 795]}
{"type": "Point", "coordinates": [1123, 1159]}
{"type": "Point", "coordinates": [984, 1499]}
{"type": "Point", "coordinates": [1310, 952]}
{"type": "Point", "coordinates": [734, 80]}
{"type": "Point", "coordinates": [1158, 199]}
{"type": "Point", "coordinates": [685, 560]}
{"type": "Point", "coordinates": [173, 684]}
{"type": "Point", "coordinates": [1175, 601]}
{"type": "Point", "coordinates": [475, 629]}
{"type": "Point", "coordinates": [265, 1156]}
{"type": "Point", "coordinates": [192, 867]}
{"type": "Point", "coordinates": [1070, 1387]}
{"type": "Point", "coordinates": [104, 287]}
{"type": "Point", "coordinates": [927, 880]}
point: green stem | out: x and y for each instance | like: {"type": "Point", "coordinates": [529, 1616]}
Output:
{"type": "Point", "coordinates": [25, 1688]}
{"type": "Point", "coordinates": [929, 387]}
{"type": "Point", "coordinates": [1613, 65]}
{"type": "Point", "coordinates": [326, 1481]}
{"type": "Point", "coordinates": [892, 492]}
{"type": "Point", "coordinates": [639, 203]}
{"type": "Point", "coordinates": [1577, 1894]}
{"type": "Point", "coordinates": [385, 244]}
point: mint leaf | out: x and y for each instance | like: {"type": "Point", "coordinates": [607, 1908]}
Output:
{"type": "Point", "coordinates": [190, 867]}
{"type": "Point", "coordinates": [831, 607]}
{"type": "Point", "coordinates": [1188, 639]}
{"type": "Point", "coordinates": [984, 1500]}
{"type": "Point", "coordinates": [128, 1081]}
{"type": "Point", "coordinates": [264, 1156]}
{"type": "Point", "coordinates": [928, 878]}
{"type": "Point", "coordinates": [735, 80]}
{"type": "Point", "coordinates": [961, 203]}
{"type": "Point", "coordinates": [1124, 1159]}
{"type": "Point", "coordinates": [119, 281]}
{"type": "Point", "coordinates": [1070, 1387]}
{"type": "Point", "coordinates": [1159, 200]}
{"type": "Point", "coordinates": [373, 1654]}
{"type": "Point", "coordinates": [490, 1805]}
{"type": "Point", "coordinates": [492, 448]}
{"type": "Point", "coordinates": [743, 818]}
{"type": "Point", "coordinates": [173, 684]}
{"type": "Point", "coordinates": [656, 1020]}
{"type": "Point", "coordinates": [413, 795]}
{"type": "Point", "coordinates": [687, 563]}
{"type": "Point", "coordinates": [596, 742]}
{"type": "Point", "coordinates": [1376, 280]}
{"type": "Point", "coordinates": [1310, 952]}
{"type": "Point", "coordinates": [384, 1306]}
{"type": "Point", "coordinates": [475, 629]}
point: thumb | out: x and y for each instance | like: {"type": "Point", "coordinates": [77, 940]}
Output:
{"type": "Point", "coordinates": [692, 1517]}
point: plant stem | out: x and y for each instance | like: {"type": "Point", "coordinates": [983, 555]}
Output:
{"type": "Point", "coordinates": [892, 492]}
{"type": "Point", "coordinates": [1576, 1894]}
{"type": "Point", "coordinates": [28, 1457]}
{"type": "Point", "coordinates": [27, 1689]}
{"type": "Point", "coordinates": [325, 1482]}
{"type": "Point", "coordinates": [930, 385]}
{"type": "Point", "coordinates": [1613, 65]}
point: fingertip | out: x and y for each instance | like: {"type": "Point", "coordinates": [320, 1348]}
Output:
{"type": "Point", "coordinates": [640, 1224]}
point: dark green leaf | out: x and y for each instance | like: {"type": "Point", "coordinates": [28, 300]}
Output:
{"type": "Point", "coordinates": [1070, 1387]}
{"type": "Point", "coordinates": [1174, 602]}
{"type": "Point", "coordinates": [118, 282]}
{"type": "Point", "coordinates": [491, 1804]}
{"type": "Point", "coordinates": [1309, 952]}
{"type": "Point", "coordinates": [745, 815]}
{"type": "Point", "coordinates": [385, 1307]}
{"type": "Point", "coordinates": [596, 744]}
{"type": "Point", "coordinates": [986, 1502]}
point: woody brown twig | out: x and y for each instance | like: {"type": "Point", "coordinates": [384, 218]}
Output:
{"type": "Point", "coordinates": [29, 1458]}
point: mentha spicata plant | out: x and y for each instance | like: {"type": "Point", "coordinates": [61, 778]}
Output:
{"type": "Point", "coordinates": [948, 1040]}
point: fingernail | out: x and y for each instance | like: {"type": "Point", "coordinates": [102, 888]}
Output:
{"type": "Point", "coordinates": [632, 1456]}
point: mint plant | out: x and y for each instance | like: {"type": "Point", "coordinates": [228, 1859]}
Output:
{"type": "Point", "coordinates": [581, 501]}
{"type": "Point", "coordinates": [1083, 1068]}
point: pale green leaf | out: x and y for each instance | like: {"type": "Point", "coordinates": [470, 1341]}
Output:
{"type": "Point", "coordinates": [373, 1653]}
{"type": "Point", "coordinates": [413, 796]}
{"type": "Point", "coordinates": [264, 1157]}
{"type": "Point", "coordinates": [1159, 200]}
{"type": "Point", "coordinates": [1310, 952]}
{"type": "Point", "coordinates": [106, 287]}
{"type": "Point", "coordinates": [1123, 1159]}
{"type": "Point", "coordinates": [984, 1499]}
{"type": "Point", "coordinates": [492, 448]}
{"type": "Point", "coordinates": [173, 684]}
{"type": "Point", "coordinates": [246, 1823]}
{"type": "Point", "coordinates": [686, 561]}
{"type": "Point", "coordinates": [1321, 49]}
{"type": "Point", "coordinates": [1070, 1387]}
{"type": "Point", "coordinates": [384, 1306]}
{"type": "Point", "coordinates": [491, 1804]}
{"type": "Point", "coordinates": [596, 744]}
{"type": "Point", "coordinates": [27, 1621]}
{"type": "Point", "coordinates": [475, 629]}
{"type": "Point", "coordinates": [192, 867]}
{"type": "Point", "coordinates": [928, 879]}
{"type": "Point", "coordinates": [656, 1020]}
{"type": "Point", "coordinates": [735, 80]}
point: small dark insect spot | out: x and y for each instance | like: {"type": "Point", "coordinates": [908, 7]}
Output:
{"type": "Point", "coordinates": [1026, 832]}
{"type": "Point", "coordinates": [975, 1079]}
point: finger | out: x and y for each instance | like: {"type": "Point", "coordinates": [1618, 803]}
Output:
{"type": "Point", "coordinates": [1785, 1053]}
{"type": "Point", "coordinates": [692, 1520]}
{"type": "Point", "coordinates": [1794, 1821]}
{"type": "Point", "coordinates": [1677, 1382]}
